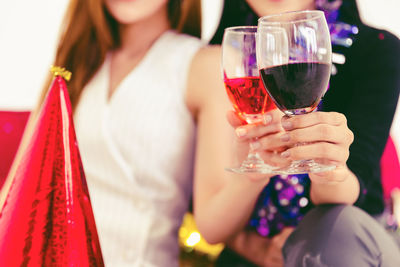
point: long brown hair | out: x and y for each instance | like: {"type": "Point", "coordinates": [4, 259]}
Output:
{"type": "Point", "coordinates": [90, 32]}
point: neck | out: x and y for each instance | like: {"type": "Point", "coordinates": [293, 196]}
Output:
{"type": "Point", "coordinates": [279, 7]}
{"type": "Point", "coordinates": [138, 37]}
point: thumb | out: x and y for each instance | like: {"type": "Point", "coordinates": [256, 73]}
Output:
{"type": "Point", "coordinates": [234, 119]}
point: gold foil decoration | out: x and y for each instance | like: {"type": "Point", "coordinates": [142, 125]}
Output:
{"type": "Point", "coordinates": [60, 71]}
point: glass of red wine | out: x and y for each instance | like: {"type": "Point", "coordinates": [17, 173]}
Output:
{"type": "Point", "coordinates": [294, 58]}
{"type": "Point", "coordinates": [244, 87]}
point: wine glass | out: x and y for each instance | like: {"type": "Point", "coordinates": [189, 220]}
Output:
{"type": "Point", "coordinates": [244, 87]}
{"type": "Point", "coordinates": [294, 58]}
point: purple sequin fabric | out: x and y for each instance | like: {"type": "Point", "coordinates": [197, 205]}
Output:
{"type": "Point", "coordinates": [285, 200]}
{"type": "Point", "coordinates": [342, 34]}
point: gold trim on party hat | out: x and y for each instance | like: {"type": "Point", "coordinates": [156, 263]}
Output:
{"type": "Point", "coordinates": [60, 71]}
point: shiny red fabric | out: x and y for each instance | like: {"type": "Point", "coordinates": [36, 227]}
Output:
{"type": "Point", "coordinates": [12, 125]}
{"type": "Point", "coordinates": [47, 218]}
{"type": "Point", "coordinates": [390, 168]}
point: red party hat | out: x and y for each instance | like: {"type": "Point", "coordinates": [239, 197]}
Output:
{"type": "Point", "coordinates": [46, 217]}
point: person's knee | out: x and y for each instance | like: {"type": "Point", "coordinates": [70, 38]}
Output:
{"type": "Point", "coordinates": [332, 220]}
{"type": "Point", "coordinates": [333, 235]}
{"type": "Point", "coordinates": [340, 219]}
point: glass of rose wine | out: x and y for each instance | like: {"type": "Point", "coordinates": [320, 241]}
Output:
{"type": "Point", "coordinates": [244, 87]}
{"type": "Point", "coordinates": [294, 58]}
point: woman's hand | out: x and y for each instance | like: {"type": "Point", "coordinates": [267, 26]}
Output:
{"type": "Point", "coordinates": [324, 137]}
{"type": "Point", "coordinates": [261, 251]}
{"type": "Point", "coordinates": [262, 137]}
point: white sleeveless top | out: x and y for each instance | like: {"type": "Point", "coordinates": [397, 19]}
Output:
{"type": "Point", "coordinates": [137, 150]}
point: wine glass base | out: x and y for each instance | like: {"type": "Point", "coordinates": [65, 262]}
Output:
{"type": "Point", "coordinates": [304, 166]}
{"type": "Point", "coordinates": [253, 164]}
{"type": "Point", "coordinates": [262, 169]}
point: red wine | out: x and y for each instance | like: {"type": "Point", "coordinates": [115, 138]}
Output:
{"type": "Point", "coordinates": [297, 87]}
{"type": "Point", "coordinates": [248, 96]}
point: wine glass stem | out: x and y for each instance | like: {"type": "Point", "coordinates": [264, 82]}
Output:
{"type": "Point", "coordinates": [253, 159]}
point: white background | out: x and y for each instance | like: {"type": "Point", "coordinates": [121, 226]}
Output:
{"type": "Point", "coordinates": [29, 30]}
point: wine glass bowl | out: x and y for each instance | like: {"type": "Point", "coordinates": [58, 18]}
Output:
{"type": "Point", "coordinates": [296, 87]}
{"type": "Point", "coordinates": [244, 87]}
{"type": "Point", "coordinates": [294, 59]}
{"type": "Point", "coordinates": [249, 98]}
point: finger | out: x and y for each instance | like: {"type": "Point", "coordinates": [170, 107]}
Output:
{"type": "Point", "coordinates": [251, 131]}
{"type": "Point", "coordinates": [280, 239]}
{"type": "Point", "coordinates": [273, 116]}
{"type": "Point", "coordinates": [234, 119]}
{"type": "Point", "coordinates": [313, 118]}
{"type": "Point", "coordinates": [321, 150]}
{"type": "Point", "coordinates": [276, 115]}
{"type": "Point", "coordinates": [318, 133]}
{"type": "Point", "coordinates": [274, 159]}
{"type": "Point", "coordinates": [270, 142]}
{"type": "Point", "coordinates": [271, 123]}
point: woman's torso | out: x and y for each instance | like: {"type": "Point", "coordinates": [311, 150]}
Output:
{"type": "Point", "coordinates": [137, 149]}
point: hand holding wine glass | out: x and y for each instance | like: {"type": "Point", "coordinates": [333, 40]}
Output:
{"type": "Point", "coordinates": [294, 58]}
{"type": "Point", "coordinates": [244, 87]}
{"type": "Point", "coordinates": [324, 136]}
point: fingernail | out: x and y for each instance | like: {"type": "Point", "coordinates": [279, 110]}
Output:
{"type": "Point", "coordinates": [255, 145]}
{"type": "Point", "coordinates": [240, 132]}
{"type": "Point", "coordinates": [287, 125]}
{"type": "Point", "coordinates": [285, 154]}
{"type": "Point", "coordinates": [267, 119]}
{"type": "Point", "coordinates": [285, 137]}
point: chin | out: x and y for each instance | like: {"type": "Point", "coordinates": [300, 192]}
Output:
{"type": "Point", "coordinates": [126, 15]}
{"type": "Point", "coordinates": [131, 11]}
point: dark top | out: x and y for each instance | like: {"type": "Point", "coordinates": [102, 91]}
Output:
{"type": "Point", "coordinates": [365, 89]}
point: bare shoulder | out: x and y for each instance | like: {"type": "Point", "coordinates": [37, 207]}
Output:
{"type": "Point", "coordinates": [205, 78]}
{"type": "Point", "coordinates": [206, 64]}
{"type": "Point", "coordinates": [207, 54]}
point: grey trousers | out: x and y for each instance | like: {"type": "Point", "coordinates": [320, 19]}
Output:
{"type": "Point", "coordinates": [340, 236]}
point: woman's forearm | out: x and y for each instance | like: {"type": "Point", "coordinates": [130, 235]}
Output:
{"type": "Point", "coordinates": [226, 211]}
